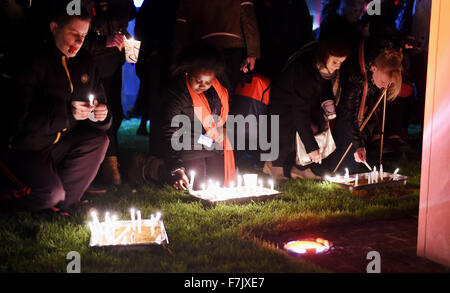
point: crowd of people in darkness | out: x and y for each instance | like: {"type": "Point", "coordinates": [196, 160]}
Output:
{"type": "Point", "coordinates": [205, 60]}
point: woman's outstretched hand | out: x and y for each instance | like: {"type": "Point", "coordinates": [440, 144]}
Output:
{"type": "Point", "coordinates": [182, 181]}
{"type": "Point", "coordinates": [360, 155]}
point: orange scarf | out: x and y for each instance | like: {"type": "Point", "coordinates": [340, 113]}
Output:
{"type": "Point", "coordinates": [203, 113]}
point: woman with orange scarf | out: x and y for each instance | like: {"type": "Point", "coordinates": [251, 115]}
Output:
{"type": "Point", "coordinates": [196, 94]}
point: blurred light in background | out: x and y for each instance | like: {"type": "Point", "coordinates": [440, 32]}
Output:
{"type": "Point", "coordinates": [138, 3]}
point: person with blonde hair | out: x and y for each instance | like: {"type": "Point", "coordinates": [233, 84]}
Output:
{"type": "Point", "coordinates": [378, 65]}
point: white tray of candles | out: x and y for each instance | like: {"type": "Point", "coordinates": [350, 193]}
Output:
{"type": "Point", "coordinates": [247, 189]}
{"type": "Point", "coordinates": [373, 179]}
{"type": "Point", "coordinates": [134, 232]}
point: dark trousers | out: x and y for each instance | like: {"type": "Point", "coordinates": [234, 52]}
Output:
{"type": "Point", "coordinates": [60, 175]}
{"type": "Point", "coordinates": [207, 168]}
{"type": "Point", "coordinates": [113, 90]}
{"type": "Point", "coordinates": [150, 100]}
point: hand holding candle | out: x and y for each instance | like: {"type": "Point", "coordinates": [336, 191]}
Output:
{"type": "Point", "coordinates": [100, 111]}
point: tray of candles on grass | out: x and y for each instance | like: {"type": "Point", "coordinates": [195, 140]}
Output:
{"type": "Point", "coordinates": [134, 232]}
{"type": "Point", "coordinates": [368, 180]}
{"type": "Point", "coordinates": [247, 189]}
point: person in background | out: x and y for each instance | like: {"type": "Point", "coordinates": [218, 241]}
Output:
{"type": "Point", "coordinates": [155, 25]}
{"type": "Point", "coordinates": [105, 42]}
{"type": "Point", "coordinates": [341, 18]}
{"type": "Point", "coordinates": [285, 26]}
{"type": "Point", "coordinates": [56, 149]}
{"type": "Point", "coordinates": [228, 25]}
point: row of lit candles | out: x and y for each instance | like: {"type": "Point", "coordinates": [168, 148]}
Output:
{"type": "Point", "coordinates": [372, 177]}
{"type": "Point", "coordinates": [108, 227]}
{"type": "Point", "coordinates": [251, 182]}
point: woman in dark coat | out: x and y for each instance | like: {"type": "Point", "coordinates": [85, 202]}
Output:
{"type": "Point", "coordinates": [297, 96]}
{"type": "Point", "coordinates": [197, 103]}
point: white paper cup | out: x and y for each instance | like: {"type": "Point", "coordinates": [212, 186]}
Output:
{"type": "Point", "coordinates": [132, 50]}
{"type": "Point", "coordinates": [250, 180]}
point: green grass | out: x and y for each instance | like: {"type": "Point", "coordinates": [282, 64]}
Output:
{"type": "Point", "coordinates": [223, 238]}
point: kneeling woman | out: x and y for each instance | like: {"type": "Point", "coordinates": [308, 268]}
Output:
{"type": "Point", "coordinates": [196, 109]}
{"type": "Point", "coordinates": [297, 97]}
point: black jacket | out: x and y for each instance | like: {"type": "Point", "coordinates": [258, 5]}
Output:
{"type": "Point", "coordinates": [177, 101]}
{"type": "Point", "coordinates": [111, 17]}
{"type": "Point", "coordinates": [44, 98]}
{"type": "Point", "coordinates": [297, 96]}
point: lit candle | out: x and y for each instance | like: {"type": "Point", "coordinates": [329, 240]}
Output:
{"type": "Point", "coordinates": [113, 226]}
{"type": "Point", "coordinates": [239, 181]}
{"type": "Point", "coordinates": [203, 186]}
{"type": "Point", "coordinates": [346, 176]}
{"type": "Point", "coordinates": [395, 174]}
{"type": "Point", "coordinates": [381, 172]}
{"type": "Point", "coordinates": [139, 221]}
{"type": "Point", "coordinates": [93, 233]}
{"type": "Point", "coordinates": [210, 185]}
{"type": "Point", "coordinates": [356, 180]}
{"type": "Point", "coordinates": [192, 180]}
{"type": "Point", "coordinates": [108, 227]}
{"type": "Point", "coordinates": [133, 220]}
{"type": "Point", "coordinates": [91, 100]}
{"type": "Point", "coordinates": [98, 229]}
{"type": "Point", "coordinates": [272, 184]}
{"type": "Point", "coordinates": [158, 217]}
{"type": "Point", "coordinates": [94, 217]}
{"type": "Point", "coordinates": [152, 224]}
